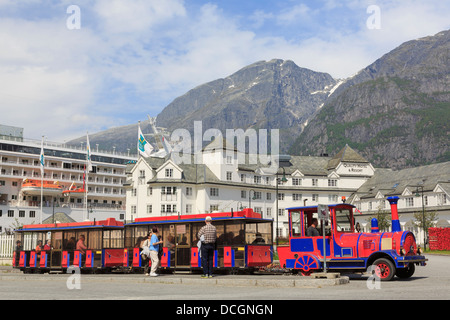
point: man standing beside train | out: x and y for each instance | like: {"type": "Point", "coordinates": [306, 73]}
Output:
{"type": "Point", "coordinates": [207, 248]}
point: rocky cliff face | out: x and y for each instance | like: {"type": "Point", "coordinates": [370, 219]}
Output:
{"type": "Point", "coordinates": [271, 95]}
{"type": "Point", "coordinates": [395, 112]}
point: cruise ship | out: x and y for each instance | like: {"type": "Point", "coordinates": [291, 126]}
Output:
{"type": "Point", "coordinates": [64, 184]}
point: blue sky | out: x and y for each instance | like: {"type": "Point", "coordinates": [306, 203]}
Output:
{"type": "Point", "coordinates": [130, 58]}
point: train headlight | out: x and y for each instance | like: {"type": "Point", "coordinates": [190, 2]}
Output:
{"type": "Point", "coordinates": [419, 250]}
{"type": "Point", "coordinates": [402, 251]}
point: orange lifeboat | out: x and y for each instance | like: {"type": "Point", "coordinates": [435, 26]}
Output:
{"type": "Point", "coordinates": [33, 187]}
{"type": "Point", "coordinates": [74, 191]}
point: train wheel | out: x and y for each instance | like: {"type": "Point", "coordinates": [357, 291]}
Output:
{"type": "Point", "coordinates": [384, 269]}
{"type": "Point", "coordinates": [406, 272]}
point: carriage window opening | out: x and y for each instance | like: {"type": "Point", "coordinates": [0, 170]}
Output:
{"type": "Point", "coordinates": [258, 233]}
{"type": "Point", "coordinates": [234, 233]}
{"type": "Point", "coordinates": [106, 238]}
{"type": "Point", "coordinates": [70, 240]}
{"type": "Point", "coordinates": [183, 234]}
{"type": "Point", "coordinates": [94, 241]}
{"type": "Point", "coordinates": [56, 240]}
{"type": "Point", "coordinates": [296, 224]}
{"type": "Point", "coordinates": [220, 228]}
{"type": "Point", "coordinates": [195, 229]}
{"type": "Point", "coordinates": [117, 239]}
{"type": "Point", "coordinates": [344, 219]}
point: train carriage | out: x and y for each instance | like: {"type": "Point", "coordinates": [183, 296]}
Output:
{"type": "Point", "coordinates": [244, 240]}
{"type": "Point", "coordinates": [391, 253]}
{"type": "Point", "coordinates": [103, 240]}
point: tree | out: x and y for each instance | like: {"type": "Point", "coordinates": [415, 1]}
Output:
{"type": "Point", "coordinates": [430, 218]}
{"type": "Point", "coordinates": [384, 219]}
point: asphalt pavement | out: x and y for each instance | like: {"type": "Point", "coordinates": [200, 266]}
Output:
{"type": "Point", "coordinates": [431, 282]}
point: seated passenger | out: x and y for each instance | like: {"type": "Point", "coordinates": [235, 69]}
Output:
{"type": "Point", "coordinates": [47, 246]}
{"type": "Point", "coordinates": [312, 231]}
{"type": "Point", "coordinates": [81, 246]}
{"type": "Point", "coordinates": [259, 239]}
{"type": "Point", "coordinates": [38, 248]}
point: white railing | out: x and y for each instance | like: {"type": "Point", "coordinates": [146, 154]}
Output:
{"type": "Point", "coordinates": [6, 246]}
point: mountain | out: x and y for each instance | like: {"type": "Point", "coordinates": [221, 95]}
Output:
{"type": "Point", "coordinates": [265, 95]}
{"type": "Point", "coordinates": [395, 112]}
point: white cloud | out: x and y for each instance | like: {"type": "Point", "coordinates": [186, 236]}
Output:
{"type": "Point", "coordinates": [121, 16]}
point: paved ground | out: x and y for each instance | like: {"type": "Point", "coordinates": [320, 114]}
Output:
{"type": "Point", "coordinates": [430, 282]}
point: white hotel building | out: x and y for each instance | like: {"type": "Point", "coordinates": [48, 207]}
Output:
{"type": "Point", "coordinates": [159, 186]}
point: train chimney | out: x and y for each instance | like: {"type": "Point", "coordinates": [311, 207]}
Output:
{"type": "Point", "coordinates": [394, 211]}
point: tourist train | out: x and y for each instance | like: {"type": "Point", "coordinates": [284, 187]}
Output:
{"type": "Point", "coordinates": [244, 243]}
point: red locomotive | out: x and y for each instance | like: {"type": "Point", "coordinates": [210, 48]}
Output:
{"type": "Point", "coordinates": [391, 253]}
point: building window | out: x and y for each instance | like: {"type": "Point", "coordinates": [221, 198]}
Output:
{"type": "Point", "coordinates": [133, 192]}
{"type": "Point", "coordinates": [296, 196]}
{"type": "Point", "coordinates": [315, 182]}
{"type": "Point", "coordinates": [167, 208]}
{"type": "Point", "coordinates": [229, 160]}
{"type": "Point", "coordinates": [315, 197]}
{"type": "Point", "coordinates": [280, 196]}
{"type": "Point", "coordinates": [296, 181]}
{"type": "Point", "coordinates": [133, 209]}
{"type": "Point", "coordinates": [168, 190]}
{"type": "Point", "coordinates": [257, 179]}
{"type": "Point", "coordinates": [32, 214]}
{"type": "Point", "coordinates": [21, 213]}
{"type": "Point", "coordinates": [332, 198]}
{"type": "Point", "coordinates": [149, 209]}
{"type": "Point", "coordinates": [243, 194]}
{"type": "Point", "coordinates": [332, 182]}
{"type": "Point", "coordinates": [409, 202]}
{"type": "Point", "coordinates": [10, 213]}
{"type": "Point", "coordinates": [442, 199]}
{"type": "Point", "coordinates": [149, 191]}
{"type": "Point", "coordinates": [268, 196]}
{"type": "Point", "coordinates": [269, 212]}
{"type": "Point", "coordinates": [188, 191]}
{"type": "Point", "coordinates": [213, 207]}
{"type": "Point", "coordinates": [242, 177]}
{"type": "Point", "coordinates": [281, 212]}
{"type": "Point", "coordinates": [189, 208]}
{"type": "Point", "coordinates": [214, 192]}
{"type": "Point", "coordinates": [229, 175]}
{"type": "Point", "coordinates": [257, 195]}
{"type": "Point", "coordinates": [169, 173]}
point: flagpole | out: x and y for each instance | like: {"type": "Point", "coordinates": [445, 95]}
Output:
{"type": "Point", "coordinates": [41, 160]}
{"type": "Point", "coordinates": [139, 156]}
{"type": "Point", "coordinates": [87, 167]}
